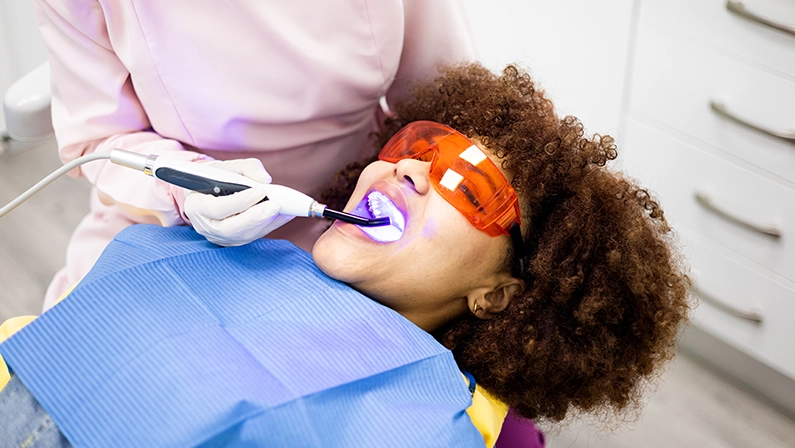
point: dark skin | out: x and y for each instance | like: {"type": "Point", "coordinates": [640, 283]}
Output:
{"type": "Point", "coordinates": [438, 270]}
{"type": "Point", "coordinates": [606, 291]}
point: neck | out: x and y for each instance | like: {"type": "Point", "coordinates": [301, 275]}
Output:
{"type": "Point", "coordinates": [433, 320]}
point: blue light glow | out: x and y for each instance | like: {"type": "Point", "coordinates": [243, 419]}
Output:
{"type": "Point", "coordinates": [376, 205]}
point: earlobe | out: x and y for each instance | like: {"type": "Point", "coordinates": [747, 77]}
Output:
{"type": "Point", "coordinates": [476, 308]}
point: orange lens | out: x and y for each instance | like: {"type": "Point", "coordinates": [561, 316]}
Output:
{"type": "Point", "coordinates": [460, 172]}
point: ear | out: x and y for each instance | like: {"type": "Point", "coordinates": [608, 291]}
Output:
{"type": "Point", "coordinates": [491, 302]}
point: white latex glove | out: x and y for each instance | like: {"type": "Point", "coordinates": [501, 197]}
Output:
{"type": "Point", "coordinates": [239, 218]}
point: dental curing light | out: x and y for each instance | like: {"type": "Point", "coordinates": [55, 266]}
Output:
{"type": "Point", "coordinates": [205, 179]}
{"type": "Point", "coordinates": [377, 204]}
{"type": "Point", "coordinates": [217, 182]}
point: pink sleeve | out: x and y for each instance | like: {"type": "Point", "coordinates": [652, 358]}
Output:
{"type": "Point", "coordinates": [436, 32]}
{"type": "Point", "coordinates": [94, 108]}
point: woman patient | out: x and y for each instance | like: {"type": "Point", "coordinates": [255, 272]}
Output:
{"type": "Point", "coordinates": [514, 255]}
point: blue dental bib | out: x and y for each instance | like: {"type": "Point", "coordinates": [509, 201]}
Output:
{"type": "Point", "coordinates": [172, 341]}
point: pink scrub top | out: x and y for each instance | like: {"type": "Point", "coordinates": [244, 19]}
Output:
{"type": "Point", "coordinates": [294, 83]}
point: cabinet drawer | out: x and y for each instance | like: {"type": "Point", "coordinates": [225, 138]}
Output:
{"type": "Point", "coordinates": [727, 289]}
{"type": "Point", "coordinates": [674, 83]}
{"type": "Point", "coordinates": [708, 23]}
{"type": "Point", "coordinates": [677, 172]}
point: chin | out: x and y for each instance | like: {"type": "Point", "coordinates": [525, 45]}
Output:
{"type": "Point", "coordinates": [319, 251]}
{"type": "Point", "coordinates": [329, 254]}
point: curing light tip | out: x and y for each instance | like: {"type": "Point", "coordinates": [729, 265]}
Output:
{"type": "Point", "coordinates": [358, 220]}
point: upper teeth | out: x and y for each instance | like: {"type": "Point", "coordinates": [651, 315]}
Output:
{"type": "Point", "coordinates": [380, 205]}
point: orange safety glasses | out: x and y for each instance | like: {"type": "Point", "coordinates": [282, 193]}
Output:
{"type": "Point", "coordinates": [460, 172]}
{"type": "Point", "coordinates": [466, 178]}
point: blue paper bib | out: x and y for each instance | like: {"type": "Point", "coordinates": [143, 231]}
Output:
{"type": "Point", "coordinates": [172, 341]}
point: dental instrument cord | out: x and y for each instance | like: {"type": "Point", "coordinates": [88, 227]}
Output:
{"type": "Point", "coordinates": [49, 179]}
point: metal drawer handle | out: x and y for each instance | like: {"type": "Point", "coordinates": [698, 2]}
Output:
{"type": "Point", "coordinates": [751, 314]}
{"type": "Point", "coordinates": [720, 109]}
{"type": "Point", "coordinates": [769, 230]}
{"type": "Point", "coordinates": [739, 9]}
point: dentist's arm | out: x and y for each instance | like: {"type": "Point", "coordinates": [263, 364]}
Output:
{"type": "Point", "coordinates": [95, 108]}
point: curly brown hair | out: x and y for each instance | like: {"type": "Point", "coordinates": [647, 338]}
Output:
{"type": "Point", "coordinates": [607, 291]}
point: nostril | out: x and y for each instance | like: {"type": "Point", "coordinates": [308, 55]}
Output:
{"type": "Point", "coordinates": [408, 178]}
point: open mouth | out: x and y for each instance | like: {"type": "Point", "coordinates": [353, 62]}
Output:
{"type": "Point", "coordinates": [377, 205]}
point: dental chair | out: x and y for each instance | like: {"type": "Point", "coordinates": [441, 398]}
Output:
{"type": "Point", "coordinates": [28, 122]}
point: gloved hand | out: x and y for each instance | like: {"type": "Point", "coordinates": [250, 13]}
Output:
{"type": "Point", "coordinates": [239, 218]}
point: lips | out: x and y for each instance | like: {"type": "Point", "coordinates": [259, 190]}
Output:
{"type": "Point", "coordinates": [376, 204]}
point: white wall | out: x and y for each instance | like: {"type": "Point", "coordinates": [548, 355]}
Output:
{"type": "Point", "coordinates": [21, 45]}
{"type": "Point", "coordinates": [576, 49]}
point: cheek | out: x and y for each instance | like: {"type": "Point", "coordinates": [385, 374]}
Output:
{"type": "Point", "coordinates": [429, 229]}
{"type": "Point", "coordinates": [447, 231]}
{"type": "Point", "coordinates": [443, 221]}
{"type": "Point", "coordinates": [467, 250]}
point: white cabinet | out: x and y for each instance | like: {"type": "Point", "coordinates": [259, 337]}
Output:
{"type": "Point", "coordinates": [742, 301]}
{"type": "Point", "coordinates": [676, 81]}
{"type": "Point", "coordinates": [699, 71]}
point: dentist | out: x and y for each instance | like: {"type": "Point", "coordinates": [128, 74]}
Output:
{"type": "Point", "coordinates": [295, 87]}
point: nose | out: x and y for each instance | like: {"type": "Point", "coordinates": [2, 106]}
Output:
{"type": "Point", "coordinates": [415, 172]}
